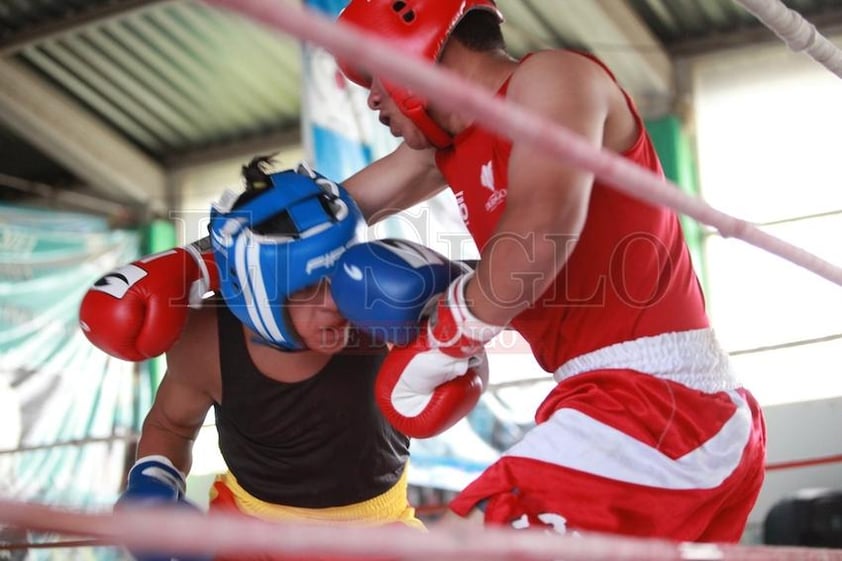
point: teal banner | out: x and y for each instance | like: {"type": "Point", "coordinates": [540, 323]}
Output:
{"type": "Point", "coordinates": [68, 412]}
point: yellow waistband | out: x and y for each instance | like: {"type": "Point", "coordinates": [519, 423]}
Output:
{"type": "Point", "coordinates": [391, 506]}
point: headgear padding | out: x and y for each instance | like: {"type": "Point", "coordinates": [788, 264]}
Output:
{"type": "Point", "coordinates": [417, 27]}
{"type": "Point", "coordinates": [260, 268]}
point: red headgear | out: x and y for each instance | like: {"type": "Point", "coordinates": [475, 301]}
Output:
{"type": "Point", "coordinates": [419, 27]}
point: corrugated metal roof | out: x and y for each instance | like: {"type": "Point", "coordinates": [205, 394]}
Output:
{"type": "Point", "coordinates": [696, 26]}
{"type": "Point", "coordinates": [177, 78]}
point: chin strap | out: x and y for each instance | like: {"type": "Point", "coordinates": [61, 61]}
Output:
{"type": "Point", "coordinates": [415, 108]}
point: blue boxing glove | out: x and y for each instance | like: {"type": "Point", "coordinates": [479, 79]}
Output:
{"type": "Point", "coordinates": [382, 287]}
{"type": "Point", "coordinates": [388, 288]}
{"type": "Point", "coordinates": [155, 482]}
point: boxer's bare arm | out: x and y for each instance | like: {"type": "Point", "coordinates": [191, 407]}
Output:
{"type": "Point", "coordinates": [395, 182]}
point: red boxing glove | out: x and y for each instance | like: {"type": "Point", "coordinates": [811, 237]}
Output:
{"type": "Point", "coordinates": [138, 311]}
{"type": "Point", "coordinates": [425, 387]}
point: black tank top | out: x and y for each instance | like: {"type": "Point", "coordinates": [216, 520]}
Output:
{"type": "Point", "coordinates": [317, 443]}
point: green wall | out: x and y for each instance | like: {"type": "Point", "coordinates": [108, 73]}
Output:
{"type": "Point", "coordinates": [678, 159]}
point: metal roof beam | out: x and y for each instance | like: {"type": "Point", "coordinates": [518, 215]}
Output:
{"type": "Point", "coordinates": [65, 132]}
{"type": "Point", "coordinates": [243, 148]}
{"type": "Point", "coordinates": [72, 22]}
{"type": "Point", "coordinates": [71, 198]}
{"type": "Point", "coordinates": [828, 25]}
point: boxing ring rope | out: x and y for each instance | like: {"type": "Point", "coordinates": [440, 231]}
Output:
{"type": "Point", "coordinates": [59, 544]}
{"type": "Point", "coordinates": [186, 533]}
{"type": "Point", "coordinates": [453, 93]}
{"type": "Point", "coordinates": [76, 443]}
{"type": "Point", "coordinates": [798, 33]}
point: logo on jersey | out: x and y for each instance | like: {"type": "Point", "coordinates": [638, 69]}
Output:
{"type": "Point", "coordinates": [486, 176]}
{"type": "Point", "coordinates": [463, 207]}
{"type": "Point", "coordinates": [486, 179]}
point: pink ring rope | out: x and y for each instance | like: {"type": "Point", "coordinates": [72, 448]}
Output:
{"type": "Point", "coordinates": [798, 33]}
{"type": "Point", "coordinates": [62, 544]}
{"type": "Point", "coordinates": [456, 94]}
{"type": "Point", "coordinates": [186, 533]}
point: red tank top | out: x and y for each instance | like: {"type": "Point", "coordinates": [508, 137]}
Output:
{"type": "Point", "coordinates": [629, 276]}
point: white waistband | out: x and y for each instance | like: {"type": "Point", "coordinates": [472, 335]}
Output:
{"type": "Point", "coordinates": [691, 358]}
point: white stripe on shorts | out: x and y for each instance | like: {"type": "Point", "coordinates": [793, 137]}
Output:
{"type": "Point", "coordinates": [571, 439]}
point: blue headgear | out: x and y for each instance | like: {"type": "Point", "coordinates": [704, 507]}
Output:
{"type": "Point", "coordinates": [258, 271]}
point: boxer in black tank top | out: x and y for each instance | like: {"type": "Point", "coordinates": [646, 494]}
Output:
{"type": "Point", "coordinates": [290, 382]}
{"type": "Point", "coordinates": [300, 433]}
{"type": "Point", "coordinates": [320, 442]}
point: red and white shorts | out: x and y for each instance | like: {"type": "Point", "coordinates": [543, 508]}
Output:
{"type": "Point", "coordinates": [677, 452]}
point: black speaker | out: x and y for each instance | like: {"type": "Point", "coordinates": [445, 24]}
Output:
{"type": "Point", "coordinates": [811, 517]}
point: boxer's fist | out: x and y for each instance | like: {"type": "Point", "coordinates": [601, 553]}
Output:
{"type": "Point", "coordinates": [425, 387]}
{"type": "Point", "coordinates": [383, 286]}
{"type": "Point", "coordinates": [138, 311]}
{"type": "Point", "coordinates": [155, 482]}
{"type": "Point", "coordinates": [422, 391]}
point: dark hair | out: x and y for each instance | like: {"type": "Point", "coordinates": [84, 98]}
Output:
{"type": "Point", "coordinates": [256, 178]}
{"type": "Point", "coordinates": [480, 31]}
{"type": "Point", "coordinates": [256, 172]}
